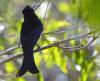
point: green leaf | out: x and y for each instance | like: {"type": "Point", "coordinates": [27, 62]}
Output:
{"type": "Point", "coordinates": [55, 24]}
{"type": "Point", "coordinates": [63, 7]}
{"type": "Point", "coordinates": [64, 65]}
{"type": "Point", "coordinates": [10, 67]}
{"type": "Point", "coordinates": [57, 57]}
{"type": "Point", "coordinates": [72, 42]}
{"type": "Point", "coordinates": [21, 79]}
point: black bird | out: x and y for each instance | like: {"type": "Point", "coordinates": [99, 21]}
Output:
{"type": "Point", "coordinates": [30, 33]}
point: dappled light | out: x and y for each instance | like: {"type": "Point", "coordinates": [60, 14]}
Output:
{"type": "Point", "coordinates": [68, 48]}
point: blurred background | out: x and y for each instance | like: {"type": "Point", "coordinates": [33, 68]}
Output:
{"type": "Point", "coordinates": [62, 19]}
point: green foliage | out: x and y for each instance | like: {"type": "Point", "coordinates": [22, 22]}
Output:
{"type": "Point", "coordinates": [64, 7]}
{"type": "Point", "coordinates": [62, 60]}
{"type": "Point", "coordinates": [87, 10]}
{"type": "Point", "coordinates": [54, 24]}
{"type": "Point", "coordinates": [10, 67]}
{"type": "Point", "coordinates": [21, 79]}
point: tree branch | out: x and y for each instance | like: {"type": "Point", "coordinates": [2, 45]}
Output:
{"type": "Point", "coordinates": [15, 56]}
{"type": "Point", "coordinates": [8, 50]}
{"type": "Point", "coordinates": [80, 46]}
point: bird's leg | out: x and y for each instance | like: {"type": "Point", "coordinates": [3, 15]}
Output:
{"type": "Point", "coordinates": [38, 48]}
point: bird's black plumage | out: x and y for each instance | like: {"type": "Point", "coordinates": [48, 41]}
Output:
{"type": "Point", "coordinates": [30, 33]}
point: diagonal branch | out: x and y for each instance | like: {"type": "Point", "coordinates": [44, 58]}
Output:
{"type": "Point", "coordinates": [15, 56]}
{"type": "Point", "coordinates": [8, 50]}
{"type": "Point", "coordinates": [16, 46]}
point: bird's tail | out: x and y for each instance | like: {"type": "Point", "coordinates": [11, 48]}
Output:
{"type": "Point", "coordinates": [28, 65]}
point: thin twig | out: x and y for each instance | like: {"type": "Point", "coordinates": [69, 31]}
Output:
{"type": "Point", "coordinates": [38, 5]}
{"type": "Point", "coordinates": [80, 46]}
{"type": "Point", "coordinates": [46, 61]}
{"type": "Point", "coordinates": [8, 50]}
{"type": "Point", "coordinates": [55, 32]}
{"type": "Point", "coordinates": [45, 13]}
{"type": "Point", "coordinates": [93, 62]}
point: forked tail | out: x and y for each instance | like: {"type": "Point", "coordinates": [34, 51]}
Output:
{"type": "Point", "coordinates": [28, 65]}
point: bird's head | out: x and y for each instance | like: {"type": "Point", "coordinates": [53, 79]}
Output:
{"type": "Point", "coordinates": [28, 11]}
